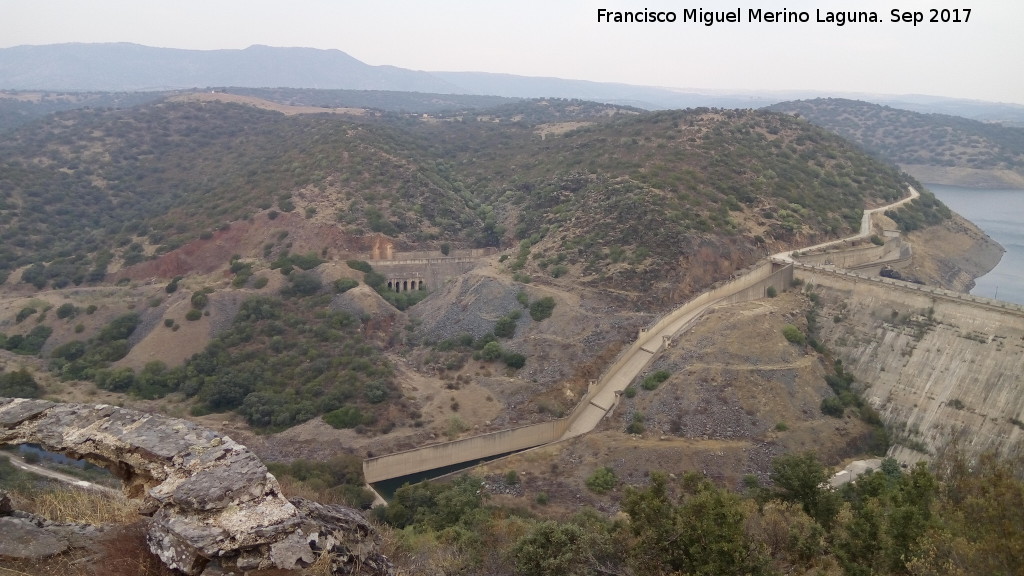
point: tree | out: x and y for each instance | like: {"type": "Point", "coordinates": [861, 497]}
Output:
{"type": "Point", "coordinates": [505, 327]}
{"type": "Point", "coordinates": [66, 310]}
{"type": "Point", "coordinates": [802, 479]}
{"type": "Point", "coordinates": [491, 351]}
{"type": "Point", "coordinates": [793, 334]}
{"type": "Point", "coordinates": [19, 384]}
{"type": "Point", "coordinates": [541, 309]}
{"type": "Point", "coordinates": [602, 480]}
{"type": "Point", "coordinates": [701, 535]}
{"type": "Point", "coordinates": [303, 284]}
{"type": "Point", "coordinates": [552, 549]}
{"type": "Point", "coordinates": [35, 275]}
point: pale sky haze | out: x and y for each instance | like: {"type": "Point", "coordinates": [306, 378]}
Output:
{"type": "Point", "coordinates": [979, 59]}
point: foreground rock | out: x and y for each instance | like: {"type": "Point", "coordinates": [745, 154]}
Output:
{"type": "Point", "coordinates": [212, 502]}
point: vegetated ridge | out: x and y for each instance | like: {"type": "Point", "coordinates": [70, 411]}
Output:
{"type": "Point", "coordinates": [936, 148]}
{"type": "Point", "coordinates": [612, 212]}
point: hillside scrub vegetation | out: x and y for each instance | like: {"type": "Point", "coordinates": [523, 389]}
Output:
{"type": "Point", "coordinates": [99, 188]}
{"type": "Point", "coordinates": [890, 521]}
{"type": "Point", "coordinates": [641, 208]}
{"type": "Point", "coordinates": [906, 137]}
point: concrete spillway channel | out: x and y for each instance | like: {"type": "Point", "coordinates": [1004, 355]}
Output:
{"type": "Point", "coordinates": [601, 397]}
{"type": "Point", "coordinates": [776, 273]}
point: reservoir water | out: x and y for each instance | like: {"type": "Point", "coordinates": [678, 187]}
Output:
{"type": "Point", "coordinates": [1000, 213]}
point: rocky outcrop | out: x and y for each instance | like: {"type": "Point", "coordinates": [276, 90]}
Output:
{"type": "Point", "coordinates": [30, 537]}
{"type": "Point", "coordinates": [212, 502]}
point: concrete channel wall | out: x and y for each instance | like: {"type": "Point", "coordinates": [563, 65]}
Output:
{"type": "Point", "coordinates": [854, 257]}
{"type": "Point", "coordinates": [465, 450]}
{"type": "Point", "coordinates": [914, 294]}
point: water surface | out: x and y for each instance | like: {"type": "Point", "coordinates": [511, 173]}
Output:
{"type": "Point", "coordinates": [1000, 213]}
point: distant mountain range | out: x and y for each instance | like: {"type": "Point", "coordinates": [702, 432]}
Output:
{"type": "Point", "coordinates": [123, 67]}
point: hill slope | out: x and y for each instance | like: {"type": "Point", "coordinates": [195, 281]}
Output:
{"type": "Point", "coordinates": [609, 213]}
{"type": "Point", "coordinates": [613, 192]}
{"type": "Point", "coordinates": [935, 148]}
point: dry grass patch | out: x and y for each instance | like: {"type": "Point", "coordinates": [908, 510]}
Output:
{"type": "Point", "coordinates": [74, 505]}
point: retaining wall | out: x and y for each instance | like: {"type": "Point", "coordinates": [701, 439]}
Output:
{"type": "Point", "coordinates": [465, 450]}
{"type": "Point", "coordinates": [434, 272]}
{"type": "Point", "coordinates": [854, 257]}
{"type": "Point", "coordinates": [914, 294]}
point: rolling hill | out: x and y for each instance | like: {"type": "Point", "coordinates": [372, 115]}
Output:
{"type": "Point", "coordinates": [212, 248]}
{"type": "Point", "coordinates": [936, 148]}
{"type": "Point", "coordinates": [605, 187]}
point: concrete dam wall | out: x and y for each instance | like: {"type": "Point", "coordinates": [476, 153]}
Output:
{"type": "Point", "coordinates": [943, 369]}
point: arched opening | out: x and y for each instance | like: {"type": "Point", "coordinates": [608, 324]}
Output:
{"type": "Point", "coordinates": [422, 286]}
{"type": "Point", "coordinates": [390, 285]}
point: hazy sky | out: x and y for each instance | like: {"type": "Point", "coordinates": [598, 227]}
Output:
{"type": "Point", "coordinates": [979, 59]}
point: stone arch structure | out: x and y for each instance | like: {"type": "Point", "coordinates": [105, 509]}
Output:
{"type": "Point", "coordinates": [212, 503]}
{"type": "Point", "coordinates": [406, 284]}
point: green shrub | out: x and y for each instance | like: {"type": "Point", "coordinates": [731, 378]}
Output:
{"type": "Point", "coordinates": [832, 406]}
{"type": "Point", "coordinates": [193, 315]}
{"type": "Point", "coordinates": [514, 360]}
{"type": "Point", "coordinates": [629, 392]}
{"type": "Point", "coordinates": [24, 313]}
{"type": "Point", "coordinates": [342, 285]}
{"type": "Point", "coordinates": [376, 280]}
{"type": "Point", "coordinates": [541, 309]}
{"type": "Point", "coordinates": [602, 480]}
{"type": "Point", "coordinates": [653, 380]}
{"type": "Point", "coordinates": [66, 310]}
{"type": "Point", "coordinates": [200, 300]}
{"type": "Point", "coordinates": [636, 424]}
{"type": "Point", "coordinates": [302, 284]}
{"type": "Point", "coordinates": [29, 344]}
{"type": "Point", "coordinates": [120, 328]}
{"type": "Point", "coordinates": [360, 265]}
{"type": "Point", "coordinates": [523, 298]}
{"type": "Point", "coordinates": [793, 334]}
{"type": "Point", "coordinates": [491, 351]}
{"type": "Point", "coordinates": [505, 327]}
{"type": "Point", "coordinates": [19, 384]}
{"type": "Point", "coordinates": [771, 292]}
{"type": "Point", "coordinates": [344, 417]}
